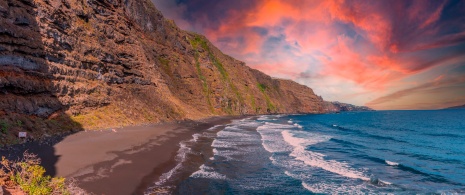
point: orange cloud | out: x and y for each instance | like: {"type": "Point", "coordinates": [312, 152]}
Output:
{"type": "Point", "coordinates": [433, 85]}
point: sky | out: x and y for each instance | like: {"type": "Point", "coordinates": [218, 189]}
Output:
{"type": "Point", "coordinates": [386, 54]}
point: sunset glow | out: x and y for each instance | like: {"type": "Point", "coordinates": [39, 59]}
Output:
{"type": "Point", "coordinates": [383, 54]}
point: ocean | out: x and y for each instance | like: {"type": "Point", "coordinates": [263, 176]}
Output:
{"type": "Point", "coordinates": [381, 152]}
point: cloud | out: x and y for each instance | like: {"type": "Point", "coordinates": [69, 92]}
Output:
{"type": "Point", "coordinates": [437, 84]}
{"type": "Point", "coordinates": [175, 12]}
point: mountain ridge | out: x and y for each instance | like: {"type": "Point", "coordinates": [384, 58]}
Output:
{"type": "Point", "coordinates": [69, 65]}
{"type": "Point", "coordinates": [336, 106]}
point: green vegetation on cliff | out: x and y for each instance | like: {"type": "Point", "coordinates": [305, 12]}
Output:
{"type": "Point", "coordinates": [269, 105]}
{"type": "Point", "coordinates": [206, 90]}
{"type": "Point", "coordinates": [200, 41]}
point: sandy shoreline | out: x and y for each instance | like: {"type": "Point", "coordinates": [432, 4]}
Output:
{"type": "Point", "coordinates": [125, 161]}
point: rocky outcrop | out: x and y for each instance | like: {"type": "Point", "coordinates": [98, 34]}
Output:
{"type": "Point", "coordinates": [344, 107]}
{"type": "Point", "coordinates": [73, 64]}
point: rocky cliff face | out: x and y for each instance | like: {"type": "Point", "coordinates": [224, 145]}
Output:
{"type": "Point", "coordinates": [74, 64]}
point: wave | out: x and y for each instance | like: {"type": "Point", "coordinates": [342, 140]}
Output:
{"type": "Point", "coordinates": [264, 118]}
{"type": "Point", "coordinates": [317, 159]}
{"type": "Point", "coordinates": [306, 138]}
{"type": "Point", "coordinates": [272, 139]}
{"type": "Point", "coordinates": [374, 159]}
{"type": "Point", "coordinates": [430, 177]}
{"type": "Point", "coordinates": [234, 141]}
{"type": "Point", "coordinates": [181, 156]}
{"type": "Point", "coordinates": [362, 133]}
{"type": "Point", "coordinates": [249, 124]}
{"type": "Point", "coordinates": [430, 158]}
{"type": "Point", "coordinates": [391, 163]}
{"type": "Point", "coordinates": [347, 143]}
{"type": "Point", "coordinates": [208, 172]}
{"type": "Point", "coordinates": [297, 125]}
{"type": "Point", "coordinates": [216, 127]}
{"type": "Point", "coordinates": [275, 126]}
{"type": "Point", "coordinates": [412, 170]}
{"type": "Point", "coordinates": [196, 137]}
{"type": "Point", "coordinates": [185, 149]}
{"type": "Point", "coordinates": [448, 135]}
{"type": "Point", "coordinates": [385, 138]}
{"type": "Point", "coordinates": [334, 188]}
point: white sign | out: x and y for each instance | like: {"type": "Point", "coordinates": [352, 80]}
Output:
{"type": "Point", "coordinates": [22, 134]}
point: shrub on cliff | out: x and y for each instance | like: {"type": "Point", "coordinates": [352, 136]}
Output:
{"type": "Point", "coordinates": [29, 176]}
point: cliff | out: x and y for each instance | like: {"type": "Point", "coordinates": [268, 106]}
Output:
{"type": "Point", "coordinates": [456, 107]}
{"type": "Point", "coordinates": [85, 64]}
{"type": "Point", "coordinates": [343, 107]}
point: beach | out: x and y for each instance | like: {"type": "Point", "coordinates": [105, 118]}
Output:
{"type": "Point", "coordinates": [117, 161]}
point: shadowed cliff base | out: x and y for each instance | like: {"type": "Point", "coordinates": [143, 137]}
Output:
{"type": "Point", "coordinates": [30, 91]}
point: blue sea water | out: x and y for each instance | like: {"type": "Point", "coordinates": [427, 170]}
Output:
{"type": "Point", "coordinates": [382, 152]}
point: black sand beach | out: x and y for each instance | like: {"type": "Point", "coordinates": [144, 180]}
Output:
{"type": "Point", "coordinates": [118, 161]}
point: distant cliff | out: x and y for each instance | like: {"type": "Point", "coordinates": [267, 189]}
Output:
{"type": "Point", "coordinates": [343, 107]}
{"type": "Point", "coordinates": [85, 64]}
{"type": "Point", "coordinates": [456, 107]}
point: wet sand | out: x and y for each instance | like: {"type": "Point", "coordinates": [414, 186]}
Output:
{"type": "Point", "coordinates": [122, 161]}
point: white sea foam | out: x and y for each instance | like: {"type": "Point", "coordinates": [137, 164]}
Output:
{"type": "Point", "coordinates": [315, 159]}
{"type": "Point", "coordinates": [274, 126]}
{"type": "Point", "coordinates": [272, 141]}
{"type": "Point", "coordinates": [219, 144]}
{"type": "Point", "coordinates": [263, 118]}
{"type": "Point", "coordinates": [298, 140]}
{"type": "Point", "coordinates": [181, 156]}
{"type": "Point", "coordinates": [391, 163]}
{"type": "Point", "coordinates": [215, 151]}
{"type": "Point", "coordinates": [233, 133]}
{"type": "Point", "coordinates": [271, 137]}
{"type": "Point", "coordinates": [332, 188]}
{"type": "Point", "coordinates": [230, 141]}
{"type": "Point", "coordinates": [305, 139]}
{"type": "Point", "coordinates": [317, 185]}
{"type": "Point", "coordinates": [214, 127]}
{"type": "Point", "coordinates": [196, 137]}
{"type": "Point", "coordinates": [184, 150]}
{"type": "Point", "coordinates": [207, 172]}
{"type": "Point", "coordinates": [298, 176]}
{"type": "Point", "coordinates": [251, 124]}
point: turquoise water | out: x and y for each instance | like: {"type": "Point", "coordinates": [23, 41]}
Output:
{"type": "Point", "coordinates": [399, 152]}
